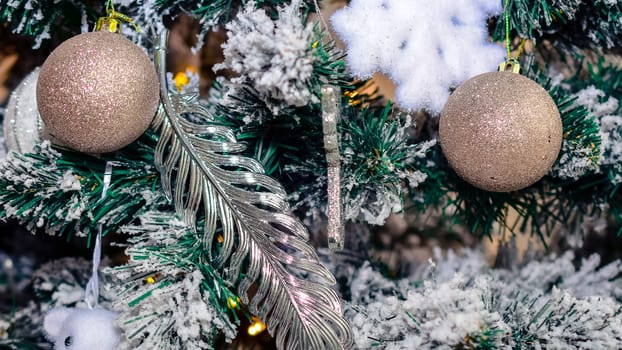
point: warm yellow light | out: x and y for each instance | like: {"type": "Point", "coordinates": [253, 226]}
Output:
{"type": "Point", "coordinates": [233, 303]}
{"type": "Point", "coordinates": [181, 80]}
{"type": "Point", "coordinates": [256, 327]}
{"type": "Point", "coordinates": [150, 280]}
{"type": "Point", "coordinates": [220, 239]}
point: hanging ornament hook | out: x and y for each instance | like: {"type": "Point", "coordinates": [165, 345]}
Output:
{"type": "Point", "coordinates": [512, 64]}
{"type": "Point", "coordinates": [114, 20]}
{"type": "Point", "coordinates": [91, 293]}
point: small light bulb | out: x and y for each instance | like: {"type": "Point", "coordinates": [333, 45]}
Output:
{"type": "Point", "coordinates": [181, 80]}
{"type": "Point", "coordinates": [233, 303]}
{"type": "Point", "coordinates": [256, 327]}
{"type": "Point", "coordinates": [8, 264]}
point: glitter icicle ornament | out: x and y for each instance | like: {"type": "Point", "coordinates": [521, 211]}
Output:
{"type": "Point", "coordinates": [500, 131]}
{"type": "Point", "coordinates": [98, 92]}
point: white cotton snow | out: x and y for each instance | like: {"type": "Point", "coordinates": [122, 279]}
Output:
{"type": "Point", "coordinates": [593, 99]}
{"type": "Point", "coordinates": [604, 108]}
{"type": "Point", "coordinates": [550, 304]}
{"type": "Point", "coordinates": [426, 47]}
{"type": "Point", "coordinates": [609, 2]}
{"type": "Point", "coordinates": [70, 182]}
{"type": "Point", "coordinates": [575, 161]}
{"type": "Point", "coordinates": [273, 57]}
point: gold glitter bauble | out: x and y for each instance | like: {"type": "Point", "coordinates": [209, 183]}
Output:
{"type": "Point", "coordinates": [97, 92]}
{"type": "Point", "coordinates": [500, 131]}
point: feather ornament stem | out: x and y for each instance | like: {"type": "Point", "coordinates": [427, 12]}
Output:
{"type": "Point", "coordinates": [259, 240]}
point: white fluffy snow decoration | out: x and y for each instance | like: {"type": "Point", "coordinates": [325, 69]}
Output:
{"type": "Point", "coordinates": [545, 304]}
{"type": "Point", "coordinates": [273, 57]}
{"type": "Point", "coordinates": [82, 329]}
{"type": "Point", "coordinates": [425, 46]}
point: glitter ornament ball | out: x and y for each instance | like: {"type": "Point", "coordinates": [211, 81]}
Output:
{"type": "Point", "coordinates": [97, 92]}
{"type": "Point", "coordinates": [500, 131]}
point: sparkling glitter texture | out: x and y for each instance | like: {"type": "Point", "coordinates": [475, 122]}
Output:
{"type": "Point", "coordinates": [97, 92]}
{"type": "Point", "coordinates": [500, 131]}
{"type": "Point", "coordinates": [331, 114]}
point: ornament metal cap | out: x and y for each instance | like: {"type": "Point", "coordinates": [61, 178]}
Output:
{"type": "Point", "coordinates": [511, 65]}
{"type": "Point", "coordinates": [113, 22]}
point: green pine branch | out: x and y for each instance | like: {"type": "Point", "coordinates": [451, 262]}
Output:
{"type": "Point", "coordinates": [221, 11]}
{"type": "Point", "coordinates": [380, 162]}
{"type": "Point", "coordinates": [164, 257]}
{"type": "Point", "coordinates": [60, 191]}
{"type": "Point", "coordinates": [572, 23]}
{"type": "Point", "coordinates": [597, 191]}
{"type": "Point", "coordinates": [44, 19]}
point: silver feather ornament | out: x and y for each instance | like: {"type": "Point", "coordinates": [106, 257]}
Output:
{"type": "Point", "coordinates": [263, 242]}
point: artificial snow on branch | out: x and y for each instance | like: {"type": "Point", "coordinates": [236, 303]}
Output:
{"type": "Point", "coordinates": [607, 111]}
{"type": "Point", "coordinates": [568, 23]}
{"type": "Point", "coordinates": [273, 57]}
{"type": "Point", "coordinates": [168, 297]}
{"type": "Point", "coordinates": [380, 163]}
{"type": "Point", "coordinates": [544, 304]}
{"type": "Point", "coordinates": [60, 190]}
{"type": "Point", "coordinates": [217, 12]}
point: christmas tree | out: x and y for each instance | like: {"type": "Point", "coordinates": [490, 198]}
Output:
{"type": "Point", "coordinates": [311, 174]}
